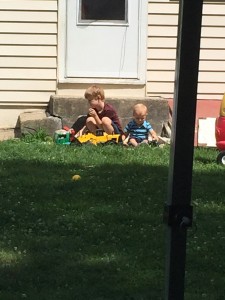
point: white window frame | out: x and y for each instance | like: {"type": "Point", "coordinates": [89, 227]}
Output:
{"type": "Point", "coordinates": [108, 22]}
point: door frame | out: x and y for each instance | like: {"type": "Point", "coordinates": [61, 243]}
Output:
{"type": "Point", "coordinates": [61, 57]}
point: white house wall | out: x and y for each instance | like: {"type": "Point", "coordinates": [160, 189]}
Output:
{"type": "Point", "coordinates": [162, 39]}
{"type": "Point", "coordinates": [29, 45]}
{"type": "Point", "coordinates": [28, 56]}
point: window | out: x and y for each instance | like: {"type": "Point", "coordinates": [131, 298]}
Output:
{"type": "Point", "coordinates": [103, 10]}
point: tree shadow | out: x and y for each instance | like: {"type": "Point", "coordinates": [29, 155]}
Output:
{"type": "Point", "coordinates": [101, 237]}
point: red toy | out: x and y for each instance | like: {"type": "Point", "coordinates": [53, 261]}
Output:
{"type": "Point", "coordinates": [220, 133]}
{"type": "Point", "coordinates": [71, 131]}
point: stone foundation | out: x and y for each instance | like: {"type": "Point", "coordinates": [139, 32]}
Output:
{"type": "Point", "coordinates": [64, 111]}
{"type": "Point", "coordinates": [69, 109]}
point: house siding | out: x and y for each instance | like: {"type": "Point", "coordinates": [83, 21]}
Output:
{"type": "Point", "coordinates": [29, 49]}
{"type": "Point", "coordinates": [161, 49]}
{"type": "Point", "coordinates": [28, 56]}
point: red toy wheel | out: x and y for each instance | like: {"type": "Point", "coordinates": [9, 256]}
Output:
{"type": "Point", "coordinates": [221, 158]}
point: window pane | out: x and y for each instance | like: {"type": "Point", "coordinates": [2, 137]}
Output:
{"type": "Point", "coordinates": [103, 10]}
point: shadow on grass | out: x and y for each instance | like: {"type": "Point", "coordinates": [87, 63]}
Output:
{"type": "Point", "coordinates": [100, 237]}
{"type": "Point", "coordinates": [97, 238]}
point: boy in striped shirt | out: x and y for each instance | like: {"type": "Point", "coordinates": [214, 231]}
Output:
{"type": "Point", "coordinates": [139, 131]}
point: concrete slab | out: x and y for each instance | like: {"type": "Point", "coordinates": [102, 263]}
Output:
{"type": "Point", "coordinates": [32, 115]}
{"type": "Point", "coordinates": [69, 108]}
{"type": "Point", "coordinates": [49, 124]}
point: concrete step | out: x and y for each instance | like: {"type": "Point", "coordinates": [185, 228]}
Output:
{"type": "Point", "coordinates": [69, 109]}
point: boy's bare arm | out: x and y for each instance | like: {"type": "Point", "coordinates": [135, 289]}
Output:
{"type": "Point", "coordinates": [94, 114]}
{"type": "Point", "coordinates": [153, 135]}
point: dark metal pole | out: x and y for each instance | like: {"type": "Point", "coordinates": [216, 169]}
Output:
{"type": "Point", "coordinates": [178, 211]}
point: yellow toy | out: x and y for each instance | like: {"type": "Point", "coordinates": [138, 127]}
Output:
{"type": "Point", "coordinates": [100, 137]}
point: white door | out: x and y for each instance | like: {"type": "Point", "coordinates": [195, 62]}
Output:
{"type": "Point", "coordinates": [103, 39]}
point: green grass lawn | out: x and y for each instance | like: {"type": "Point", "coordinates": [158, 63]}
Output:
{"type": "Point", "coordinates": [102, 237]}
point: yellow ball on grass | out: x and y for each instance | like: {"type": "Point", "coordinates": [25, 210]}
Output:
{"type": "Point", "coordinates": [76, 177]}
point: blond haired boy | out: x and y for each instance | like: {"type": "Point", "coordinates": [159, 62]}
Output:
{"type": "Point", "coordinates": [101, 115]}
{"type": "Point", "coordinates": [139, 130]}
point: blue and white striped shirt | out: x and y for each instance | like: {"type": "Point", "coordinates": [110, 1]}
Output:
{"type": "Point", "coordinates": [138, 131]}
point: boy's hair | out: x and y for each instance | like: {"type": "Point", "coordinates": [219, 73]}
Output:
{"type": "Point", "coordinates": [140, 108]}
{"type": "Point", "coordinates": [94, 91]}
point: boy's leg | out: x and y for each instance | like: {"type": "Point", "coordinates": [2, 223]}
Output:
{"type": "Point", "coordinates": [91, 124]}
{"type": "Point", "coordinates": [133, 142]}
{"type": "Point", "coordinates": [107, 125]}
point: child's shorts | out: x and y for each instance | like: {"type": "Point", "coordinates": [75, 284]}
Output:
{"type": "Point", "coordinates": [116, 129]}
{"type": "Point", "coordinates": [138, 139]}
